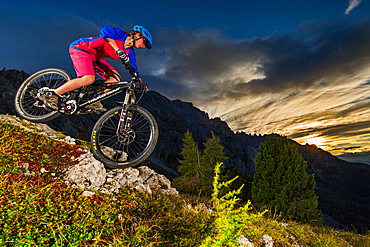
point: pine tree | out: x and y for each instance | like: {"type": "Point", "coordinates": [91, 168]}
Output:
{"type": "Point", "coordinates": [213, 154]}
{"type": "Point", "coordinates": [282, 182]}
{"type": "Point", "coordinates": [190, 165]}
{"type": "Point", "coordinates": [197, 169]}
{"type": "Point", "coordinates": [190, 156]}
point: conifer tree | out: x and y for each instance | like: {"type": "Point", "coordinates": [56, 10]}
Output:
{"type": "Point", "coordinates": [190, 156]}
{"type": "Point", "coordinates": [213, 154]}
{"type": "Point", "coordinates": [197, 169]}
{"type": "Point", "coordinates": [190, 165]}
{"type": "Point", "coordinates": [282, 182]}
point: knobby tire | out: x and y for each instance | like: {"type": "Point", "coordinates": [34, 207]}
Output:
{"type": "Point", "coordinates": [130, 147]}
{"type": "Point", "coordinates": [25, 103]}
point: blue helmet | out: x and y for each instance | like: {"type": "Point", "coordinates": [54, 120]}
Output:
{"type": "Point", "coordinates": [145, 33]}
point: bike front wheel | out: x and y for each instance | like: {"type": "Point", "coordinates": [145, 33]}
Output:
{"type": "Point", "coordinates": [121, 147]}
{"type": "Point", "coordinates": [26, 103]}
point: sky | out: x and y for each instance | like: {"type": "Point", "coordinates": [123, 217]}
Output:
{"type": "Point", "coordinates": [296, 68]}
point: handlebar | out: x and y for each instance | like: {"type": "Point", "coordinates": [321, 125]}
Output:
{"type": "Point", "coordinates": [135, 77]}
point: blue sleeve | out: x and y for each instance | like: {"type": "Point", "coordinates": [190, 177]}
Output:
{"type": "Point", "coordinates": [132, 57]}
{"type": "Point", "coordinates": [113, 33]}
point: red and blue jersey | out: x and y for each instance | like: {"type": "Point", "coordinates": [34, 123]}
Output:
{"type": "Point", "coordinates": [100, 48]}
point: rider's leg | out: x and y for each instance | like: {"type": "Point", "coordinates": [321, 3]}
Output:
{"type": "Point", "coordinates": [75, 84]}
{"type": "Point", "coordinates": [52, 99]}
{"type": "Point", "coordinates": [113, 77]}
{"type": "Point", "coordinates": [84, 67]}
{"type": "Point", "coordinates": [108, 72]}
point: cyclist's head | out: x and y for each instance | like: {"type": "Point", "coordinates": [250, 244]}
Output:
{"type": "Point", "coordinates": [145, 34]}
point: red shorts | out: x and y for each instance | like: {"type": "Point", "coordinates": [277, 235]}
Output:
{"type": "Point", "coordinates": [86, 64]}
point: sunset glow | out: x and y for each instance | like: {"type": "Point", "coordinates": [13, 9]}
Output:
{"type": "Point", "coordinates": [316, 140]}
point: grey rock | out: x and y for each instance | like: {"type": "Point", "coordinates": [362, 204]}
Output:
{"type": "Point", "coordinates": [88, 174]}
{"type": "Point", "coordinates": [88, 193]}
{"type": "Point", "coordinates": [244, 242]}
{"type": "Point", "coordinates": [43, 170]}
{"type": "Point", "coordinates": [91, 174]}
{"type": "Point", "coordinates": [269, 242]}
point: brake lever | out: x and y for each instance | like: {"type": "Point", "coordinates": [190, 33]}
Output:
{"type": "Point", "coordinates": [135, 77]}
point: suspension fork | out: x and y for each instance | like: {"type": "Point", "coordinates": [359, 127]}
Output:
{"type": "Point", "coordinates": [124, 117]}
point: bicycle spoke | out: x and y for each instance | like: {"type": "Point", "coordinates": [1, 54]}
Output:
{"type": "Point", "coordinates": [125, 144]}
{"type": "Point", "coordinates": [26, 103]}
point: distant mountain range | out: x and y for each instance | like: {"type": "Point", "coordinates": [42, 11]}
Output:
{"type": "Point", "coordinates": [363, 157]}
{"type": "Point", "coordinates": [343, 187]}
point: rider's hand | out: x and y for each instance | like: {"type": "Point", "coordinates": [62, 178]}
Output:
{"type": "Point", "coordinates": [123, 56]}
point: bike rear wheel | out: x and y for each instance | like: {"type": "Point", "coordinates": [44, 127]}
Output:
{"type": "Point", "coordinates": [26, 101]}
{"type": "Point", "coordinates": [127, 147]}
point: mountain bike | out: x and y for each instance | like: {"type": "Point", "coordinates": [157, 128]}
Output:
{"type": "Point", "coordinates": [124, 136]}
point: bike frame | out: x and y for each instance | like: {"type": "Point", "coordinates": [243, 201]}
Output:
{"type": "Point", "coordinates": [73, 105]}
{"type": "Point", "coordinates": [119, 87]}
{"type": "Point", "coordinates": [129, 99]}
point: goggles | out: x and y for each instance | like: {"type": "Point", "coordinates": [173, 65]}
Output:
{"type": "Point", "coordinates": [145, 41]}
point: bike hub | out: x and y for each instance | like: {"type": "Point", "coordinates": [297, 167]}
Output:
{"type": "Point", "coordinates": [127, 137]}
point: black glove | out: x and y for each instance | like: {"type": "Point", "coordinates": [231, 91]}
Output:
{"type": "Point", "coordinates": [123, 56]}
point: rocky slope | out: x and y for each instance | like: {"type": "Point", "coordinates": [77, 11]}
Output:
{"type": "Point", "coordinates": [343, 187]}
{"type": "Point", "coordinates": [89, 174]}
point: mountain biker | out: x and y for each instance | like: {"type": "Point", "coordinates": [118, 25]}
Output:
{"type": "Point", "coordinates": [87, 56]}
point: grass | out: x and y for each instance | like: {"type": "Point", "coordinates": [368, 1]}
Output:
{"type": "Point", "coordinates": [22, 150]}
{"type": "Point", "coordinates": [45, 212]}
{"type": "Point", "coordinates": [39, 210]}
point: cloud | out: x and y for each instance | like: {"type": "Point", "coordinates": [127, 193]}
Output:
{"type": "Point", "coordinates": [324, 53]}
{"type": "Point", "coordinates": [324, 82]}
{"type": "Point", "coordinates": [315, 83]}
{"type": "Point", "coordinates": [209, 66]}
{"type": "Point", "coordinates": [41, 41]}
{"type": "Point", "coordinates": [218, 68]}
{"type": "Point", "coordinates": [352, 4]}
{"type": "Point", "coordinates": [206, 62]}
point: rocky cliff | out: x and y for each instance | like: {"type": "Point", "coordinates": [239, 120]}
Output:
{"type": "Point", "coordinates": [343, 187]}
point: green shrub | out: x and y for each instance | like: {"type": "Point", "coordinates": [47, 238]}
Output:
{"type": "Point", "coordinates": [229, 220]}
{"type": "Point", "coordinates": [38, 211]}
